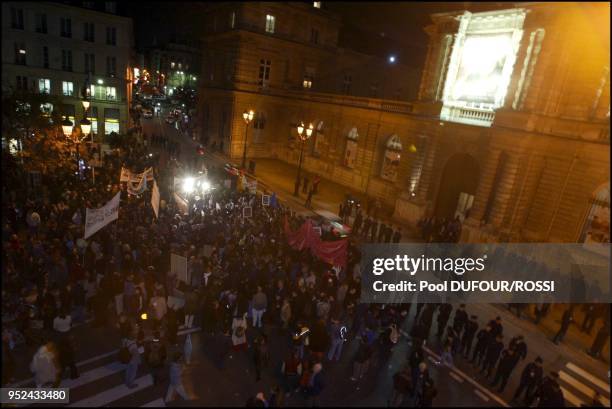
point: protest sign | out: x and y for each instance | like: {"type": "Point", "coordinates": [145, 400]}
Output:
{"type": "Point", "coordinates": [95, 219]}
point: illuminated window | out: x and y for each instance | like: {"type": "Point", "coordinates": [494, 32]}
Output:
{"type": "Point", "coordinates": [20, 54]}
{"type": "Point", "coordinates": [391, 159]}
{"type": "Point", "coordinates": [46, 108]}
{"type": "Point", "coordinates": [481, 66]}
{"type": "Point", "coordinates": [350, 152]}
{"type": "Point", "coordinates": [308, 77]}
{"type": "Point", "coordinates": [93, 117]}
{"type": "Point", "coordinates": [264, 72]}
{"type": "Point", "coordinates": [270, 23]}
{"type": "Point", "coordinates": [111, 93]}
{"type": "Point", "coordinates": [111, 120]}
{"type": "Point", "coordinates": [67, 88]}
{"type": "Point", "coordinates": [44, 85]}
{"type": "Point", "coordinates": [172, 64]}
{"type": "Point", "coordinates": [317, 4]}
{"type": "Point", "coordinates": [97, 92]}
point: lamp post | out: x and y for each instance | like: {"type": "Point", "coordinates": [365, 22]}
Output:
{"type": "Point", "coordinates": [248, 117]}
{"type": "Point", "coordinates": [304, 134]}
{"type": "Point", "coordinates": [86, 130]}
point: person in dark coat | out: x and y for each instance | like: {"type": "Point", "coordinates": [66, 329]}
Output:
{"type": "Point", "coordinates": [444, 311]}
{"type": "Point", "coordinates": [496, 327]}
{"type": "Point", "coordinates": [530, 379]}
{"type": "Point", "coordinates": [518, 344]}
{"type": "Point", "coordinates": [468, 336]}
{"type": "Point", "coordinates": [401, 386]}
{"type": "Point", "coordinates": [601, 339]}
{"type": "Point", "coordinates": [426, 320]}
{"type": "Point", "coordinates": [507, 363]}
{"type": "Point", "coordinates": [66, 350]}
{"type": "Point", "coordinates": [494, 349]}
{"type": "Point", "coordinates": [549, 393]}
{"type": "Point", "coordinates": [566, 320]}
{"type": "Point", "coordinates": [460, 319]}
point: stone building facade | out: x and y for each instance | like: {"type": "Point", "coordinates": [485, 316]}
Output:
{"type": "Point", "coordinates": [516, 144]}
{"type": "Point", "coordinates": [63, 50]}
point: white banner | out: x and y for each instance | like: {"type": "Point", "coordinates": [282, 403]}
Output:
{"type": "Point", "coordinates": [182, 204]}
{"type": "Point", "coordinates": [155, 198]}
{"type": "Point", "coordinates": [127, 175]}
{"type": "Point", "coordinates": [95, 219]}
{"type": "Point", "coordinates": [178, 267]}
{"type": "Point", "coordinates": [138, 189]}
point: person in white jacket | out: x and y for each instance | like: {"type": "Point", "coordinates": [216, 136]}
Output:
{"type": "Point", "coordinates": [44, 366]}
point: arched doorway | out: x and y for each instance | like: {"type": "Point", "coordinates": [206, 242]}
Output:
{"type": "Point", "coordinates": [457, 186]}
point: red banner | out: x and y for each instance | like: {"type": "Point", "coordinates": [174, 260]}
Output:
{"type": "Point", "coordinates": [332, 252]}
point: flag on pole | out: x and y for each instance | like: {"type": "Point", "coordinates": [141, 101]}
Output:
{"type": "Point", "coordinates": [95, 219]}
{"type": "Point", "coordinates": [155, 198]}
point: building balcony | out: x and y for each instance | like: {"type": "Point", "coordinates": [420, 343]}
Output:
{"type": "Point", "coordinates": [469, 116]}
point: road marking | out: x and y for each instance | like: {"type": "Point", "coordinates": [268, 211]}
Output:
{"type": "Point", "coordinates": [116, 393]}
{"type": "Point", "coordinates": [93, 375]}
{"type": "Point", "coordinates": [159, 403]}
{"type": "Point", "coordinates": [24, 382]}
{"type": "Point", "coordinates": [594, 380]}
{"type": "Point", "coordinates": [581, 387]}
{"type": "Point", "coordinates": [571, 398]}
{"type": "Point", "coordinates": [470, 380]}
{"type": "Point", "coordinates": [456, 377]}
{"type": "Point", "coordinates": [481, 395]}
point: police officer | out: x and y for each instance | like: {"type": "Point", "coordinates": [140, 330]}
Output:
{"type": "Point", "coordinates": [530, 379]}
{"type": "Point", "coordinates": [549, 392]}
{"type": "Point", "coordinates": [443, 317]}
{"type": "Point", "coordinates": [566, 320]}
{"type": "Point", "coordinates": [468, 335]}
{"type": "Point", "coordinates": [494, 349]}
{"type": "Point", "coordinates": [496, 327]}
{"type": "Point", "coordinates": [460, 319]}
{"type": "Point", "coordinates": [427, 319]}
{"type": "Point", "coordinates": [482, 342]}
{"type": "Point", "coordinates": [518, 344]}
{"type": "Point", "coordinates": [507, 363]}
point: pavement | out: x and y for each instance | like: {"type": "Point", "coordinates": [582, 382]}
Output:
{"type": "Point", "coordinates": [219, 377]}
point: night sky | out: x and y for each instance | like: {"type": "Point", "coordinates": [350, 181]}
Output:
{"type": "Point", "coordinates": [379, 28]}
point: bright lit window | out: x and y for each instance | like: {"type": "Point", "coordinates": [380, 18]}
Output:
{"type": "Point", "coordinates": [67, 88]}
{"type": "Point", "coordinates": [111, 125]}
{"type": "Point", "coordinates": [270, 23]}
{"type": "Point", "coordinates": [317, 4]}
{"type": "Point", "coordinates": [172, 64]}
{"type": "Point", "coordinates": [111, 93]}
{"type": "Point", "coordinates": [44, 86]}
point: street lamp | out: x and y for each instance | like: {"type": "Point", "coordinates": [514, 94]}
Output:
{"type": "Point", "coordinates": [67, 127]}
{"type": "Point", "coordinates": [248, 117]}
{"type": "Point", "coordinates": [304, 134]}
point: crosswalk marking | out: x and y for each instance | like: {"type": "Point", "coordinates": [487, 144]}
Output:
{"type": "Point", "coordinates": [30, 381]}
{"type": "Point", "coordinates": [481, 395]}
{"type": "Point", "coordinates": [581, 387]}
{"type": "Point", "coordinates": [485, 392]}
{"type": "Point", "coordinates": [159, 403]}
{"type": "Point", "coordinates": [594, 380]}
{"type": "Point", "coordinates": [116, 393]}
{"type": "Point", "coordinates": [455, 377]}
{"type": "Point", "coordinates": [93, 375]}
{"type": "Point", "coordinates": [571, 398]}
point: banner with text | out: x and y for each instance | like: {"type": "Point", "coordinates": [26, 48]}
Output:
{"type": "Point", "coordinates": [95, 219]}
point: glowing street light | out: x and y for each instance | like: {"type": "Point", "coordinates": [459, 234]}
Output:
{"type": "Point", "coordinates": [248, 118]}
{"type": "Point", "coordinates": [304, 134]}
{"type": "Point", "coordinates": [188, 185]}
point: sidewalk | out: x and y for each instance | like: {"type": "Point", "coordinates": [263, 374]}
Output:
{"type": "Point", "coordinates": [279, 177]}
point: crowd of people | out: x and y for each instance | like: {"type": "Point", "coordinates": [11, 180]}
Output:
{"type": "Point", "coordinates": [53, 279]}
